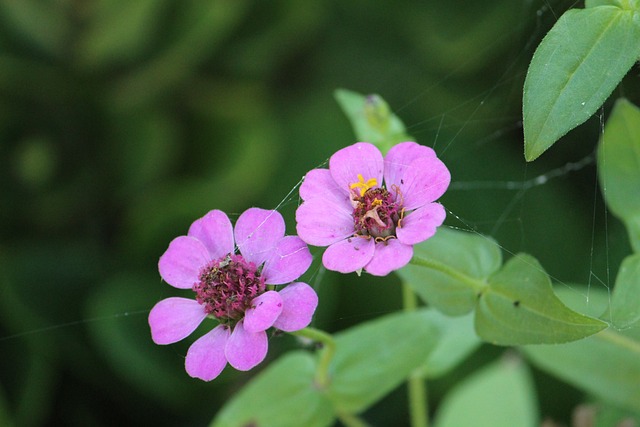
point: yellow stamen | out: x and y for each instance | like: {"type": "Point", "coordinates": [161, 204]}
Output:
{"type": "Point", "coordinates": [376, 203]}
{"type": "Point", "coordinates": [362, 185]}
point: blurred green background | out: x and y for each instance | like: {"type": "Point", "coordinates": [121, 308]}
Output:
{"type": "Point", "coordinates": [121, 122]}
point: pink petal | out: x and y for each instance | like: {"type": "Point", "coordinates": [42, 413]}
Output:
{"type": "Point", "coordinates": [321, 223]}
{"type": "Point", "coordinates": [424, 181]}
{"type": "Point", "coordinates": [173, 319]}
{"type": "Point", "coordinates": [181, 263]}
{"type": "Point", "coordinates": [205, 358]}
{"type": "Point", "coordinates": [399, 158]}
{"type": "Point", "coordinates": [390, 255]}
{"type": "Point", "coordinates": [421, 224]}
{"type": "Point", "coordinates": [244, 350]}
{"type": "Point", "coordinates": [360, 158]}
{"type": "Point", "coordinates": [257, 232]}
{"type": "Point", "coordinates": [318, 183]}
{"type": "Point", "coordinates": [264, 310]}
{"type": "Point", "coordinates": [299, 303]}
{"type": "Point", "coordinates": [290, 259]}
{"type": "Point", "coordinates": [215, 232]}
{"type": "Point", "coordinates": [349, 255]}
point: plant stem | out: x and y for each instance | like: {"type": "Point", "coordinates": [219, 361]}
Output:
{"type": "Point", "coordinates": [416, 386]}
{"type": "Point", "coordinates": [418, 403]}
{"type": "Point", "coordinates": [475, 284]}
{"type": "Point", "coordinates": [326, 354]}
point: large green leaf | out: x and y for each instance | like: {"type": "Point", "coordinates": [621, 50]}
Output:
{"type": "Point", "coordinates": [374, 358]}
{"type": "Point", "coordinates": [619, 166]}
{"type": "Point", "coordinates": [573, 71]}
{"type": "Point", "coordinates": [450, 269]}
{"type": "Point", "coordinates": [283, 395]}
{"type": "Point", "coordinates": [625, 302]}
{"type": "Point", "coordinates": [371, 119]}
{"type": "Point", "coordinates": [500, 395]}
{"type": "Point", "coordinates": [606, 365]}
{"type": "Point", "coordinates": [520, 307]}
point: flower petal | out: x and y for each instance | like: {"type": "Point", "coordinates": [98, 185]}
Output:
{"type": "Point", "coordinates": [215, 232]}
{"type": "Point", "coordinates": [318, 183]}
{"type": "Point", "coordinates": [173, 319]}
{"type": "Point", "coordinates": [389, 256]}
{"type": "Point", "coordinates": [399, 158]}
{"type": "Point", "coordinates": [361, 158]}
{"type": "Point", "coordinates": [264, 310]}
{"type": "Point", "coordinates": [181, 263]}
{"type": "Point", "coordinates": [424, 181]}
{"type": "Point", "coordinates": [257, 232]}
{"type": "Point", "coordinates": [349, 255]}
{"type": "Point", "coordinates": [205, 358]}
{"type": "Point", "coordinates": [244, 350]}
{"type": "Point", "coordinates": [299, 302]}
{"type": "Point", "coordinates": [421, 224]}
{"type": "Point", "coordinates": [321, 223]}
{"type": "Point", "coordinates": [290, 259]}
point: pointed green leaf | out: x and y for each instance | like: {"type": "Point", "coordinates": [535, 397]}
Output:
{"type": "Point", "coordinates": [500, 395]}
{"type": "Point", "coordinates": [374, 358]}
{"type": "Point", "coordinates": [371, 119]}
{"type": "Point", "coordinates": [450, 269]}
{"type": "Point", "coordinates": [573, 71]}
{"type": "Point", "coordinates": [519, 307]}
{"type": "Point", "coordinates": [606, 365]}
{"type": "Point", "coordinates": [625, 302]}
{"type": "Point", "coordinates": [283, 395]}
{"type": "Point", "coordinates": [457, 340]}
{"type": "Point", "coordinates": [619, 166]}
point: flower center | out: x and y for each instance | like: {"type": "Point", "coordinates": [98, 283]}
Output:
{"type": "Point", "coordinates": [376, 213]}
{"type": "Point", "coordinates": [227, 286]}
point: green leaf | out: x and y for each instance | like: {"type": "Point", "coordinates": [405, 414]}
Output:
{"type": "Point", "coordinates": [619, 166]}
{"type": "Point", "coordinates": [573, 71]}
{"type": "Point", "coordinates": [282, 395]}
{"type": "Point", "coordinates": [606, 365]}
{"type": "Point", "coordinates": [500, 395]}
{"type": "Point", "coordinates": [519, 307]}
{"type": "Point", "coordinates": [371, 119]}
{"type": "Point", "coordinates": [625, 302]}
{"type": "Point", "coordinates": [457, 340]}
{"type": "Point", "coordinates": [624, 4]}
{"type": "Point", "coordinates": [450, 269]}
{"type": "Point", "coordinates": [374, 358]}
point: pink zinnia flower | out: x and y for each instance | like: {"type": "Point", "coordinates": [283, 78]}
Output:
{"type": "Point", "coordinates": [368, 224]}
{"type": "Point", "coordinates": [232, 287]}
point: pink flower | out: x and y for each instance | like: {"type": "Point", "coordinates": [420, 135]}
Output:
{"type": "Point", "coordinates": [232, 287]}
{"type": "Point", "coordinates": [367, 224]}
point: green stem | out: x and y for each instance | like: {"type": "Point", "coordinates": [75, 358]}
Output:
{"type": "Point", "coordinates": [417, 388]}
{"type": "Point", "coordinates": [475, 284]}
{"type": "Point", "coordinates": [326, 355]}
{"type": "Point", "coordinates": [418, 403]}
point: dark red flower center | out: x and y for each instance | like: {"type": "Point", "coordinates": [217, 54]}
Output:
{"type": "Point", "coordinates": [377, 213]}
{"type": "Point", "coordinates": [227, 286]}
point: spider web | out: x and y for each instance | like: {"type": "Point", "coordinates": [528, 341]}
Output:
{"type": "Point", "coordinates": [507, 189]}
